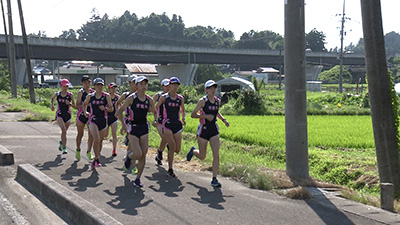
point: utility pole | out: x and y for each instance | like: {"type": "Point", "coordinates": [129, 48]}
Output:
{"type": "Point", "coordinates": [341, 49]}
{"type": "Point", "coordinates": [379, 87]}
{"type": "Point", "coordinates": [13, 70]}
{"type": "Point", "coordinates": [295, 92]}
{"type": "Point", "coordinates": [5, 34]}
{"type": "Point", "coordinates": [27, 55]}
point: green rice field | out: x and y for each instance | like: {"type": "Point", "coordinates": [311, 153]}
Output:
{"type": "Point", "coordinates": [323, 131]}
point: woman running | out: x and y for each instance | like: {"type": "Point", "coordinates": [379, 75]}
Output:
{"type": "Point", "coordinates": [99, 102]}
{"type": "Point", "coordinates": [133, 88]}
{"type": "Point", "coordinates": [81, 119]}
{"type": "Point", "coordinates": [126, 121]}
{"type": "Point", "coordinates": [172, 124]}
{"type": "Point", "coordinates": [112, 120]}
{"type": "Point", "coordinates": [140, 103]}
{"type": "Point", "coordinates": [156, 98]}
{"type": "Point", "coordinates": [65, 100]}
{"type": "Point", "coordinates": [208, 130]}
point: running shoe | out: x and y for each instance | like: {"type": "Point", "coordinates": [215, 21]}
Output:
{"type": "Point", "coordinates": [114, 153]}
{"type": "Point", "coordinates": [93, 165]}
{"type": "Point", "coordinates": [159, 157]}
{"type": "Point", "coordinates": [137, 183]}
{"type": "Point", "coordinates": [126, 142]}
{"type": "Point", "coordinates": [135, 170]}
{"type": "Point", "coordinates": [60, 146]}
{"type": "Point", "coordinates": [215, 183]}
{"type": "Point", "coordinates": [89, 155]}
{"type": "Point", "coordinates": [97, 163]}
{"type": "Point", "coordinates": [127, 163]}
{"type": "Point", "coordinates": [64, 151]}
{"type": "Point", "coordinates": [190, 154]}
{"type": "Point", "coordinates": [78, 154]}
{"type": "Point", "coordinates": [171, 173]}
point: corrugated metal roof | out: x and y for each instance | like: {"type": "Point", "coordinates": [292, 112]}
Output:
{"type": "Point", "coordinates": [138, 68]}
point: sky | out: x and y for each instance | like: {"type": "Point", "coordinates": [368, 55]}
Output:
{"type": "Point", "coordinates": [54, 16]}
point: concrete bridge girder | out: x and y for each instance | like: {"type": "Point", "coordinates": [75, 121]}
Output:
{"type": "Point", "coordinates": [63, 49]}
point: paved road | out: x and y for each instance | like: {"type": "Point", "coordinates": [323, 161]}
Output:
{"type": "Point", "coordinates": [189, 199]}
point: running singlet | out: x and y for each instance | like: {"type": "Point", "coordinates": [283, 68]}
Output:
{"type": "Point", "coordinates": [208, 129]}
{"type": "Point", "coordinates": [84, 95]}
{"type": "Point", "coordinates": [80, 115]}
{"type": "Point", "coordinates": [62, 102]}
{"type": "Point", "coordinates": [95, 111]}
{"type": "Point", "coordinates": [171, 110]}
{"type": "Point", "coordinates": [139, 110]}
{"type": "Point", "coordinates": [64, 110]}
{"type": "Point", "coordinates": [210, 108]}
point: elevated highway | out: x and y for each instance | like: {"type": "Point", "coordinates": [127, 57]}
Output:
{"type": "Point", "coordinates": [64, 49]}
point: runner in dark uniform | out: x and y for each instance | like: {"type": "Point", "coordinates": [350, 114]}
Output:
{"type": "Point", "coordinates": [100, 103]}
{"type": "Point", "coordinates": [127, 117]}
{"type": "Point", "coordinates": [112, 120]}
{"type": "Point", "coordinates": [81, 119]}
{"type": "Point", "coordinates": [172, 124]}
{"type": "Point", "coordinates": [140, 104]}
{"type": "Point", "coordinates": [208, 130]}
{"type": "Point", "coordinates": [156, 98]}
{"type": "Point", "coordinates": [65, 100]}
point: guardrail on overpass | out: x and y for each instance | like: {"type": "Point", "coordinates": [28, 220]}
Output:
{"type": "Point", "coordinates": [65, 49]}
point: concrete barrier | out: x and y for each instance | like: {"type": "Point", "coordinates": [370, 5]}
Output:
{"type": "Point", "coordinates": [6, 157]}
{"type": "Point", "coordinates": [71, 205]}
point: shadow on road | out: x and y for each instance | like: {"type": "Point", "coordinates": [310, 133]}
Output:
{"type": "Point", "coordinates": [168, 185]}
{"type": "Point", "coordinates": [48, 165]}
{"type": "Point", "coordinates": [104, 161]}
{"type": "Point", "coordinates": [212, 198]}
{"type": "Point", "coordinates": [73, 171]}
{"type": "Point", "coordinates": [85, 183]}
{"type": "Point", "coordinates": [326, 210]}
{"type": "Point", "coordinates": [127, 198]}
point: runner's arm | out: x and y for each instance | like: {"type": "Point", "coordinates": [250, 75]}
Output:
{"type": "Point", "coordinates": [183, 111]}
{"type": "Point", "coordinates": [110, 106]}
{"type": "Point", "coordinates": [79, 103]}
{"type": "Point", "coordinates": [52, 100]}
{"type": "Point", "coordinates": [221, 117]}
{"type": "Point", "coordinates": [160, 101]}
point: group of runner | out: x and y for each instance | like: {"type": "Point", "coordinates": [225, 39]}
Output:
{"type": "Point", "coordinates": [102, 110]}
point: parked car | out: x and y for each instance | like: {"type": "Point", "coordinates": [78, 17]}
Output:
{"type": "Point", "coordinates": [36, 85]}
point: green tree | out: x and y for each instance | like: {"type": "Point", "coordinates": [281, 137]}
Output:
{"type": "Point", "coordinates": [332, 76]}
{"type": "Point", "coordinates": [395, 70]}
{"type": "Point", "coordinates": [315, 40]}
{"type": "Point", "coordinates": [392, 43]}
{"type": "Point", "coordinates": [208, 72]}
{"type": "Point", "coordinates": [70, 34]}
{"type": "Point", "coordinates": [4, 78]}
{"type": "Point", "coordinates": [260, 40]}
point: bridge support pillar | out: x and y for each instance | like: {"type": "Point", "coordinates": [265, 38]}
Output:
{"type": "Point", "coordinates": [185, 72]}
{"type": "Point", "coordinates": [21, 72]}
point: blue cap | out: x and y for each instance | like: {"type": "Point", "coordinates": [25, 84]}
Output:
{"type": "Point", "coordinates": [173, 80]}
{"type": "Point", "coordinates": [98, 80]}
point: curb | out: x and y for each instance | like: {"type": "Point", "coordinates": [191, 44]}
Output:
{"type": "Point", "coordinates": [71, 205]}
{"type": "Point", "coordinates": [6, 157]}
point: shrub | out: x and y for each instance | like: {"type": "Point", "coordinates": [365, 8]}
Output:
{"type": "Point", "coordinates": [250, 102]}
{"type": "Point", "coordinates": [4, 78]}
